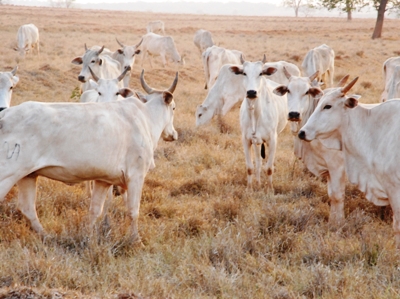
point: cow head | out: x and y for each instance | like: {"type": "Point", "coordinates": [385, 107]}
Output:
{"type": "Point", "coordinates": [8, 81]}
{"type": "Point", "coordinates": [23, 50]}
{"type": "Point", "coordinates": [128, 54]}
{"type": "Point", "coordinates": [107, 89]}
{"type": "Point", "coordinates": [252, 73]}
{"type": "Point", "coordinates": [164, 100]}
{"type": "Point", "coordinates": [302, 95]}
{"type": "Point", "coordinates": [91, 59]}
{"type": "Point", "coordinates": [203, 115]}
{"type": "Point", "coordinates": [326, 121]}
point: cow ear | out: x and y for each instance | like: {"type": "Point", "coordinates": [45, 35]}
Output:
{"type": "Point", "coordinates": [280, 90]}
{"type": "Point", "coordinates": [269, 71]}
{"type": "Point", "coordinates": [168, 97]}
{"type": "Point", "coordinates": [120, 51]}
{"type": "Point", "coordinates": [351, 102]}
{"type": "Point", "coordinates": [315, 92]}
{"type": "Point", "coordinates": [137, 51]}
{"type": "Point", "coordinates": [77, 60]}
{"type": "Point", "coordinates": [125, 92]}
{"type": "Point", "coordinates": [236, 70]}
{"type": "Point", "coordinates": [15, 49]}
{"type": "Point", "coordinates": [100, 61]}
{"type": "Point", "coordinates": [93, 84]}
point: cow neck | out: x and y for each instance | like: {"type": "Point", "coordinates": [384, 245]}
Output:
{"type": "Point", "coordinates": [155, 119]}
{"type": "Point", "coordinates": [253, 107]}
{"type": "Point", "coordinates": [311, 107]}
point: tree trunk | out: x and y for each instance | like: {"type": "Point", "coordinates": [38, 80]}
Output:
{"type": "Point", "coordinates": [379, 20]}
{"type": "Point", "coordinates": [349, 16]}
{"type": "Point", "coordinates": [296, 11]}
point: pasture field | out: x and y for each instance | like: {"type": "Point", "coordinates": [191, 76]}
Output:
{"type": "Point", "coordinates": [204, 235]}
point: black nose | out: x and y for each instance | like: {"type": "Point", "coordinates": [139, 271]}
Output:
{"type": "Point", "coordinates": [302, 135]}
{"type": "Point", "coordinates": [251, 94]}
{"type": "Point", "coordinates": [81, 78]}
{"type": "Point", "coordinates": [294, 115]}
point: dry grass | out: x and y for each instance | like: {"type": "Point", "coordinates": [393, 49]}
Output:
{"type": "Point", "coordinates": [204, 235]}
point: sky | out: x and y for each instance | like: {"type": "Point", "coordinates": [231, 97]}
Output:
{"type": "Point", "coordinates": [223, 1]}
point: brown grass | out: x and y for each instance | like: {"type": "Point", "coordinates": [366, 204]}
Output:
{"type": "Point", "coordinates": [204, 234]}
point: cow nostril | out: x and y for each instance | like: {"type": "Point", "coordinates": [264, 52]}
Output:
{"type": "Point", "coordinates": [302, 135]}
{"type": "Point", "coordinates": [251, 93]}
{"type": "Point", "coordinates": [81, 78]}
{"type": "Point", "coordinates": [294, 115]}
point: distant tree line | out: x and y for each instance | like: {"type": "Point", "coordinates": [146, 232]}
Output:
{"type": "Point", "coordinates": [348, 7]}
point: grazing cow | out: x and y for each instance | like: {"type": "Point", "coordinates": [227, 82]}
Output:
{"type": "Point", "coordinates": [367, 137]}
{"type": "Point", "coordinates": [214, 58]}
{"type": "Point", "coordinates": [321, 59]}
{"type": "Point", "coordinates": [27, 38]}
{"type": "Point", "coordinates": [154, 26]}
{"type": "Point", "coordinates": [116, 147]}
{"type": "Point", "coordinates": [8, 81]}
{"type": "Point", "coordinates": [203, 40]}
{"type": "Point", "coordinates": [100, 61]}
{"type": "Point", "coordinates": [262, 117]}
{"type": "Point", "coordinates": [389, 67]}
{"type": "Point", "coordinates": [164, 46]}
{"type": "Point", "coordinates": [394, 84]}
{"type": "Point", "coordinates": [126, 57]}
{"type": "Point", "coordinates": [228, 90]}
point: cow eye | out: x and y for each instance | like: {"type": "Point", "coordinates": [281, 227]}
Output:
{"type": "Point", "coordinates": [200, 115]}
{"type": "Point", "coordinates": [244, 74]}
{"type": "Point", "coordinates": [307, 92]}
{"type": "Point", "coordinates": [93, 61]}
{"type": "Point", "coordinates": [173, 108]}
{"type": "Point", "coordinates": [11, 87]}
{"type": "Point", "coordinates": [261, 74]}
{"type": "Point", "coordinates": [117, 94]}
{"type": "Point", "coordinates": [99, 93]}
{"type": "Point", "coordinates": [328, 107]}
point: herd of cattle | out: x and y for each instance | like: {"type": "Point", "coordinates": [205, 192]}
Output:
{"type": "Point", "coordinates": [334, 135]}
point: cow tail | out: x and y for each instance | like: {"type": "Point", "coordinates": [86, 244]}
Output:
{"type": "Point", "coordinates": [206, 69]}
{"type": "Point", "coordinates": [263, 150]}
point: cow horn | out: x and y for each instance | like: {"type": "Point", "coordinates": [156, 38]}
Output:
{"type": "Point", "coordinates": [14, 71]}
{"type": "Point", "coordinates": [242, 59]}
{"type": "Point", "coordinates": [139, 43]}
{"type": "Point", "coordinates": [171, 89]}
{"type": "Point", "coordinates": [349, 86]}
{"type": "Point", "coordinates": [343, 81]}
{"type": "Point", "coordinates": [86, 47]}
{"type": "Point", "coordinates": [147, 88]}
{"type": "Point", "coordinates": [264, 59]}
{"type": "Point", "coordinates": [315, 75]}
{"type": "Point", "coordinates": [121, 44]}
{"type": "Point", "coordinates": [101, 50]}
{"type": "Point", "coordinates": [95, 78]}
{"type": "Point", "coordinates": [287, 74]}
{"type": "Point", "coordinates": [120, 77]}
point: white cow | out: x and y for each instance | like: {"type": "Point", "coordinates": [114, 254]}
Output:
{"type": "Point", "coordinates": [105, 90]}
{"type": "Point", "coordinates": [321, 59]}
{"type": "Point", "coordinates": [8, 81]}
{"type": "Point", "coordinates": [164, 46]}
{"type": "Point", "coordinates": [126, 57]}
{"type": "Point", "coordinates": [228, 90]}
{"type": "Point", "coordinates": [302, 98]}
{"type": "Point", "coordinates": [214, 58]}
{"type": "Point", "coordinates": [154, 26]}
{"type": "Point", "coordinates": [27, 38]}
{"type": "Point", "coordinates": [262, 117]}
{"type": "Point", "coordinates": [100, 61]}
{"type": "Point", "coordinates": [368, 139]}
{"type": "Point", "coordinates": [115, 147]}
{"type": "Point", "coordinates": [203, 40]}
{"type": "Point", "coordinates": [394, 84]}
{"type": "Point", "coordinates": [389, 67]}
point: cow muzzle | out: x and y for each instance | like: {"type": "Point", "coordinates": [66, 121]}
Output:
{"type": "Point", "coordinates": [251, 94]}
{"type": "Point", "coordinates": [302, 135]}
{"type": "Point", "coordinates": [171, 137]}
{"type": "Point", "coordinates": [81, 79]}
{"type": "Point", "coordinates": [2, 108]}
{"type": "Point", "coordinates": [294, 116]}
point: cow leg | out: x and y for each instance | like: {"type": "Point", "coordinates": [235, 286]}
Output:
{"type": "Point", "coordinates": [27, 201]}
{"type": "Point", "coordinates": [5, 187]}
{"type": "Point", "coordinates": [99, 194]}
{"type": "Point", "coordinates": [249, 163]}
{"type": "Point", "coordinates": [37, 48]}
{"type": "Point", "coordinates": [258, 160]}
{"type": "Point", "coordinates": [88, 188]}
{"type": "Point", "coordinates": [395, 204]}
{"type": "Point", "coordinates": [269, 166]}
{"type": "Point", "coordinates": [336, 191]}
{"type": "Point", "coordinates": [144, 57]}
{"type": "Point", "coordinates": [133, 202]}
{"type": "Point", "coordinates": [164, 61]}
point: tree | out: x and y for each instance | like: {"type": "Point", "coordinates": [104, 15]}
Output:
{"type": "Point", "coordinates": [347, 6]}
{"type": "Point", "coordinates": [62, 3]}
{"type": "Point", "coordinates": [293, 3]}
{"type": "Point", "coordinates": [382, 6]}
